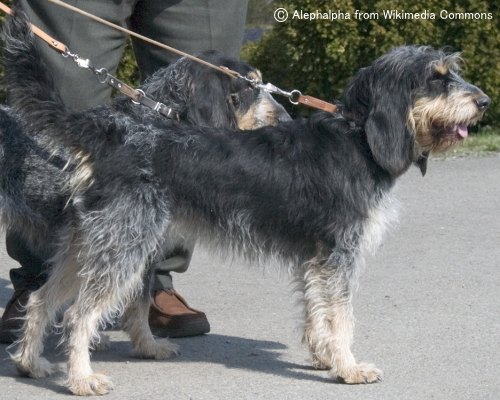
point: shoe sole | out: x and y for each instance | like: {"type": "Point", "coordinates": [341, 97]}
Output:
{"type": "Point", "coordinates": [195, 329]}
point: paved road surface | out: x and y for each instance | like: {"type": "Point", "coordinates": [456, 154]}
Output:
{"type": "Point", "coordinates": [428, 313]}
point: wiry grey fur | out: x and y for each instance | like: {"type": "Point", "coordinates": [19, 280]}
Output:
{"type": "Point", "coordinates": [314, 193]}
{"type": "Point", "coordinates": [36, 180]}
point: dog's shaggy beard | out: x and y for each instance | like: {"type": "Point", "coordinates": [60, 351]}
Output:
{"type": "Point", "coordinates": [441, 123]}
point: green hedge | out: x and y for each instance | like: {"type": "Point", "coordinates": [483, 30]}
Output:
{"type": "Point", "coordinates": [318, 56]}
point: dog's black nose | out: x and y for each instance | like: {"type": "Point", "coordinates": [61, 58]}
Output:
{"type": "Point", "coordinates": [483, 102]}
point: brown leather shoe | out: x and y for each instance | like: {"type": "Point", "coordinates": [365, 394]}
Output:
{"type": "Point", "coordinates": [170, 316]}
{"type": "Point", "coordinates": [12, 318]}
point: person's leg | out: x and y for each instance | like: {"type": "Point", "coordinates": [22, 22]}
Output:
{"type": "Point", "coordinates": [79, 88]}
{"type": "Point", "coordinates": [190, 26]}
{"type": "Point", "coordinates": [169, 314]}
{"type": "Point", "coordinates": [177, 261]}
{"type": "Point", "coordinates": [187, 25]}
{"type": "Point", "coordinates": [30, 276]}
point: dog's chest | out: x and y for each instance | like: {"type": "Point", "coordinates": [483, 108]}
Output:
{"type": "Point", "coordinates": [381, 216]}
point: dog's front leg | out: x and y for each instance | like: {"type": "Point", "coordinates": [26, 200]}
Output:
{"type": "Point", "coordinates": [329, 322]}
{"type": "Point", "coordinates": [28, 356]}
{"type": "Point", "coordinates": [41, 311]}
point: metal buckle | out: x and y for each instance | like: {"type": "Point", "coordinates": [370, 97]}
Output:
{"type": "Point", "coordinates": [141, 92]}
{"type": "Point", "coordinates": [102, 74]}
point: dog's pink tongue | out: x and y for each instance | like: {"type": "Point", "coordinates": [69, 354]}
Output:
{"type": "Point", "coordinates": [462, 131]}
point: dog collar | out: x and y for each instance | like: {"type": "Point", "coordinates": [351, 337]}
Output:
{"type": "Point", "coordinates": [136, 95]}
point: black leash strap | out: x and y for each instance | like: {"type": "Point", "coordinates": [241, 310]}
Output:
{"type": "Point", "coordinates": [136, 95]}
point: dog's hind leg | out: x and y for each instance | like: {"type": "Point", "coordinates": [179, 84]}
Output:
{"type": "Point", "coordinates": [41, 312]}
{"type": "Point", "coordinates": [81, 322]}
{"type": "Point", "coordinates": [106, 291]}
{"type": "Point", "coordinates": [329, 321]}
{"type": "Point", "coordinates": [135, 323]}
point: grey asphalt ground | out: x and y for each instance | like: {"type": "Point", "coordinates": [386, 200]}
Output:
{"type": "Point", "coordinates": [428, 313]}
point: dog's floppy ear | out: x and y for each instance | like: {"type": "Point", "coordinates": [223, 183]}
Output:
{"type": "Point", "coordinates": [209, 100]}
{"type": "Point", "coordinates": [382, 105]}
{"type": "Point", "coordinates": [389, 138]}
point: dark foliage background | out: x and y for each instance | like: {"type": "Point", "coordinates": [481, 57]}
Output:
{"type": "Point", "coordinates": [318, 57]}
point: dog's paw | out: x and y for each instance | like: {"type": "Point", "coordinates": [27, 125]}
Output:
{"type": "Point", "coordinates": [319, 364]}
{"type": "Point", "coordinates": [37, 368]}
{"type": "Point", "coordinates": [359, 373]}
{"type": "Point", "coordinates": [165, 349]}
{"type": "Point", "coordinates": [158, 350]}
{"type": "Point", "coordinates": [90, 385]}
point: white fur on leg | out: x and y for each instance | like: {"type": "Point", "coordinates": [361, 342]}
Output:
{"type": "Point", "coordinates": [329, 326]}
{"type": "Point", "coordinates": [89, 385]}
{"type": "Point", "coordinates": [135, 322]}
{"type": "Point", "coordinates": [102, 343]}
{"type": "Point", "coordinates": [359, 373]}
{"type": "Point", "coordinates": [82, 325]}
{"type": "Point", "coordinates": [27, 357]}
{"type": "Point", "coordinates": [158, 350]}
{"type": "Point", "coordinates": [38, 367]}
{"type": "Point", "coordinates": [41, 311]}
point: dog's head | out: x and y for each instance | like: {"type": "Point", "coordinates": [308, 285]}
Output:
{"type": "Point", "coordinates": [413, 101]}
{"type": "Point", "coordinates": [206, 97]}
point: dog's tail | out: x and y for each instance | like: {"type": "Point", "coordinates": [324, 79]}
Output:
{"type": "Point", "coordinates": [30, 87]}
{"type": "Point", "coordinates": [33, 96]}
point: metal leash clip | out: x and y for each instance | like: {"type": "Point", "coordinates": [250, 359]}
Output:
{"type": "Point", "coordinates": [293, 96]}
{"type": "Point", "coordinates": [141, 94]}
{"type": "Point", "coordinates": [81, 62]}
{"type": "Point", "coordinates": [102, 75]}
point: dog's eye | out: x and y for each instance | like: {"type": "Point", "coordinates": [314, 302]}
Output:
{"type": "Point", "coordinates": [235, 100]}
{"type": "Point", "coordinates": [446, 83]}
{"type": "Point", "coordinates": [440, 82]}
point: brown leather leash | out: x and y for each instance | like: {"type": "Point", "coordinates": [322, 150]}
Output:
{"type": "Point", "coordinates": [55, 44]}
{"type": "Point", "coordinates": [137, 95]}
{"type": "Point", "coordinates": [296, 97]}
{"type": "Point", "coordinates": [319, 104]}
